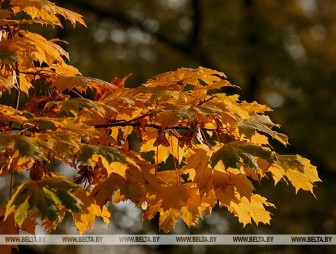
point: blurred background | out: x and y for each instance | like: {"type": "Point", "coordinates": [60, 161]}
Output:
{"type": "Point", "coordinates": [281, 53]}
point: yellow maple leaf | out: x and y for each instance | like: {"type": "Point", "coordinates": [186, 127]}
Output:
{"type": "Point", "coordinates": [25, 83]}
{"type": "Point", "coordinates": [46, 11]}
{"type": "Point", "coordinates": [173, 202]}
{"type": "Point", "coordinates": [168, 219]}
{"type": "Point", "coordinates": [186, 76]}
{"type": "Point", "coordinates": [251, 209]}
{"type": "Point", "coordinates": [297, 170]}
{"type": "Point", "coordinates": [85, 219]}
{"type": "Point", "coordinates": [162, 152]}
{"type": "Point", "coordinates": [118, 168]}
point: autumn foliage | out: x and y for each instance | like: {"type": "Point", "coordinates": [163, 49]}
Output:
{"type": "Point", "coordinates": [176, 146]}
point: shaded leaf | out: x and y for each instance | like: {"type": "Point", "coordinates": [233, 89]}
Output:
{"type": "Point", "coordinates": [263, 124]}
{"type": "Point", "coordinates": [77, 104]}
{"type": "Point", "coordinates": [45, 195]}
{"type": "Point", "coordinates": [86, 152]}
{"type": "Point", "coordinates": [173, 202]}
{"type": "Point", "coordinates": [26, 146]}
{"type": "Point", "coordinates": [237, 153]}
{"type": "Point", "coordinates": [7, 56]}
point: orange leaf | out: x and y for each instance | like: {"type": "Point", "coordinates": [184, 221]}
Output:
{"type": "Point", "coordinates": [199, 161]}
{"type": "Point", "coordinates": [82, 83]}
{"type": "Point", "coordinates": [176, 201]}
{"type": "Point", "coordinates": [7, 227]}
{"type": "Point", "coordinates": [85, 219]}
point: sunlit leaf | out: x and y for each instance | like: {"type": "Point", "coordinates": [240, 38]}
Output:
{"type": "Point", "coordinates": [297, 170]}
{"type": "Point", "coordinates": [90, 210]}
{"type": "Point", "coordinates": [252, 209]}
{"type": "Point", "coordinates": [46, 10]}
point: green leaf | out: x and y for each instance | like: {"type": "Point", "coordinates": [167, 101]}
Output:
{"type": "Point", "coordinates": [110, 154]}
{"type": "Point", "coordinates": [235, 153]}
{"type": "Point", "coordinates": [26, 146]}
{"type": "Point", "coordinates": [22, 212]}
{"type": "Point", "coordinates": [45, 195]}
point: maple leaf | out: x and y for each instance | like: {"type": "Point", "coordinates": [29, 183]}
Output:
{"type": "Point", "coordinates": [251, 209]}
{"type": "Point", "coordinates": [7, 227]}
{"type": "Point", "coordinates": [262, 124]}
{"type": "Point", "coordinates": [26, 146]}
{"type": "Point", "coordinates": [188, 111]}
{"type": "Point", "coordinates": [86, 152]}
{"type": "Point", "coordinates": [236, 153]}
{"type": "Point", "coordinates": [199, 161]}
{"type": "Point", "coordinates": [14, 115]}
{"type": "Point", "coordinates": [230, 183]}
{"type": "Point", "coordinates": [173, 202]}
{"type": "Point", "coordinates": [5, 84]}
{"type": "Point", "coordinates": [45, 195]}
{"type": "Point", "coordinates": [297, 170]}
{"type": "Point", "coordinates": [102, 192]}
{"type": "Point", "coordinates": [81, 83]}
{"type": "Point", "coordinates": [30, 47]}
{"type": "Point", "coordinates": [185, 76]}
{"type": "Point", "coordinates": [85, 219]}
{"type": "Point", "coordinates": [166, 119]}
{"type": "Point", "coordinates": [162, 152]}
{"type": "Point", "coordinates": [77, 104]}
{"type": "Point", "coordinates": [203, 146]}
{"type": "Point", "coordinates": [46, 11]}
{"type": "Point", "coordinates": [7, 56]}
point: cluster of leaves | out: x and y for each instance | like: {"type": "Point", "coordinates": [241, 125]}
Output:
{"type": "Point", "coordinates": [175, 146]}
